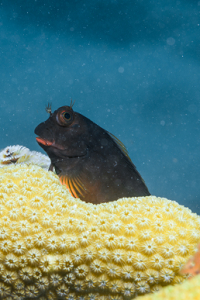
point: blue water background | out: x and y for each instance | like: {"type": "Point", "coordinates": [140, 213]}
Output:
{"type": "Point", "coordinates": [133, 68]}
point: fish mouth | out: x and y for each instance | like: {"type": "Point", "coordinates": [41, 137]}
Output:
{"type": "Point", "coordinates": [48, 143]}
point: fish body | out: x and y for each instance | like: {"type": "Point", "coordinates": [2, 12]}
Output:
{"type": "Point", "coordinates": [91, 162]}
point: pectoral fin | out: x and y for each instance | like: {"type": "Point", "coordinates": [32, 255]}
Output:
{"type": "Point", "coordinates": [74, 185]}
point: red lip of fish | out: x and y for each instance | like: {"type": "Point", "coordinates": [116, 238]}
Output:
{"type": "Point", "coordinates": [44, 142]}
{"type": "Point", "coordinates": [48, 143]}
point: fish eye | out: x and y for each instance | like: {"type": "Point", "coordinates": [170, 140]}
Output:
{"type": "Point", "coordinates": [67, 116]}
{"type": "Point", "coordinates": [64, 117]}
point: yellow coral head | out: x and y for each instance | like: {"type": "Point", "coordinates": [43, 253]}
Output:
{"type": "Point", "coordinates": [58, 247]}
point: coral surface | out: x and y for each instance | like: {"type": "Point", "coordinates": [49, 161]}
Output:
{"type": "Point", "coordinates": [188, 290]}
{"type": "Point", "coordinates": [53, 246]}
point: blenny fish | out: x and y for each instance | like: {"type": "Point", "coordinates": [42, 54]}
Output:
{"type": "Point", "coordinates": [92, 163]}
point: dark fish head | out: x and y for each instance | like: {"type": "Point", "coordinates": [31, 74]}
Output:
{"type": "Point", "coordinates": [63, 134]}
